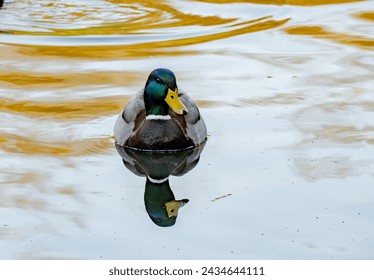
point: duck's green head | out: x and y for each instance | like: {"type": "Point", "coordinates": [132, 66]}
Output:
{"type": "Point", "coordinates": [161, 93]}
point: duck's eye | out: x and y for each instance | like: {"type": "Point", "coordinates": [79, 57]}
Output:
{"type": "Point", "coordinates": [158, 80]}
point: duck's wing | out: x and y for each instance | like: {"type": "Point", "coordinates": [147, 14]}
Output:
{"type": "Point", "coordinates": [129, 119]}
{"type": "Point", "coordinates": [195, 125]}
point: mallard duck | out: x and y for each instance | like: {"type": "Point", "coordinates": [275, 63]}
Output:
{"type": "Point", "coordinates": [159, 118]}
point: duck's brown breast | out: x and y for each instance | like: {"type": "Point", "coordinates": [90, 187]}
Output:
{"type": "Point", "coordinates": [159, 135]}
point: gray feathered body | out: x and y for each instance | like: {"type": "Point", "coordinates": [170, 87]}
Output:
{"type": "Point", "coordinates": [177, 132]}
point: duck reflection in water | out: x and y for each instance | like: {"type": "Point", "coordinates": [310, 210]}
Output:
{"type": "Point", "coordinates": [160, 202]}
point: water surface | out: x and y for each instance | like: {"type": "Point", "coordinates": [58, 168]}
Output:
{"type": "Point", "coordinates": [286, 91]}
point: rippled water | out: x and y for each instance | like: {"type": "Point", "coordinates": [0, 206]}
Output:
{"type": "Point", "coordinates": [286, 90]}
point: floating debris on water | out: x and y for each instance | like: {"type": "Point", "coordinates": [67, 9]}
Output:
{"type": "Point", "coordinates": [220, 197]}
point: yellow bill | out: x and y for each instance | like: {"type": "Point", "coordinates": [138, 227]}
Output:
{"type": "Point", "coordinates": [174, 103]}
{"type": "Point", "coordinates": [173, 206]}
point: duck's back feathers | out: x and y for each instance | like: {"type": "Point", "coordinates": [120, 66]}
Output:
{"type": "Point", "coordinates": [130, 115]}
{"type": "Point", "coordinates": [195, 125]}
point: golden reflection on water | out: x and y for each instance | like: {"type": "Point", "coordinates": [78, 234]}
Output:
{"type": "Point", "coordinates": [13, 143]}
{"type": "Point", "coordinates": [21, 179]}
{"type": "Point", "coordinates": [16, 178]}
{"type": "Point", "coordinates": [321, 33]}
{"type": "Point", "coordinates": [90, 52]}
{"type": "Point", "coordinates": [152, 48]}
{"type": "Point", "coordinates": [281, 98]}
{"type": "Point", "coordinates": [284, 2]}
{"type": "Point", "coordinates": [150, 15]}
{"type": "Point", "coordinates": [366, 15]}
{"type": "Point", "coordinates": [66, 110]}
{"type": "Point", "coordinates": [32, 80]}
